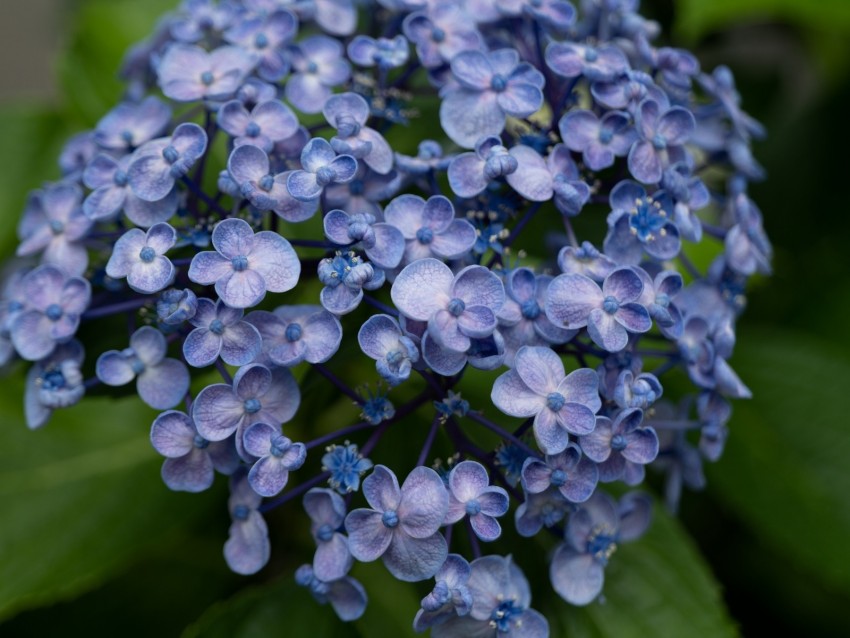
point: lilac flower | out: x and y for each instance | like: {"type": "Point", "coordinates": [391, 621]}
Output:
{"type": "Point", "coordinates": [277, 456]}
{"type": "Point", "coordinates": [721, 85]}
{"type": "Point", "coordinates": [220, 331]}
{"type": "Point", "coordinates": [318, 65]}
{"type": "Point", "coordinates": [109, 181]}
{"type": "Point", "coordinates": [266, 124]}
{"type": "Point", "coordinates": [471, 173]}
{"type": "Point", "coordinates": [158, 164]}
{"type": "Point", "coordinates": [450, 596]}
{"type": "Point", "coordinates": [257, 395]}
{"type": "Point", "coordinates": [54, 382]}
{"type": "Point", "coordinates": [51, 313]}
{"type": "Point", "coordinates": [382, 339]}
{"type": "Point", "coordinates": [292, 334]}
{"type": "Point", "coordinates": [265, 38]}
{"type": "Point", "coordinates": [599, 140]}
{"type": "Point", "coordinates": [458, 308]}
{"type": "Point", "coordinates": [346, 465]}
{"type": "Point", "coordinates": [77, 153]}
{"type": "Point", "coordinates": [558, 15]}
{"type": "Point", "coordinates": [54, 225]}
{"type": "Point", "coordinates": [640, 224]}
{"type": "Point", "coordinates": [429, 157]}
{"type": "Point", "coordinates": [191, 460]}
{"type": "Point", "coordinates": [253, 178]}
{"type": "Point", "coordinates": [570, 472]}
{"type": "Point", "coordinates": [322, 166]}
{"type": "Point", "coordinates": [140, 257]}
{"type": "Point", "coordinates": [346, 595]}
{"type": "Point", "coordinates": [452, 405]}
{"type": "Point", "coordinates": [491, 86]}
{"type": "Point", "coordinates": [705, 358]}
{"type": "Point", "coordinates": [176, 306]}
{"type": "Point", "coordinates": [500, 604]}
{"type": "Point", "coordinates": [586, 261]}
{"type": "Point", "coordinates": [402, 526]}
{"type": "Point", "coordinates": [609, 313]}
{"type": "Point", "coordinates": [521, 319]}
{"type": "Point", "coordinates": [384, 52]}
{"type": "Point", "coordinates": [383, 243]}
{"type": "Point", "coordinates": [572, 60]}
{"type": "Point", "coordinates": [538, 387]}
{"type": "Point", "coordinates": [441, 33]}
{"type": "Point", "coordinates": [247, 549]}
{"type": "Point", "coordinates": [429, 227]}
{"type": "Point", "coordinates": [129, 125]}
{"type": "Point", "coordinates": [187, 73]}
{"type": "Point", "coordinates": [245, 265]}
{"type": "Point", "coordinates": [627, 91]}
{"type": "Point", "coordinates": [347, 113]}
{"type": "Point", "coordinates": [337, 17]}
{"type": "Point", "coordinates": [593, 533]}
{"type": "Point", "coordinates": [470, 493]}
{"type": "Point", "coordinates": [661, 138]}
{"type": "Point", "coordinates": [676, 68]}
{"type": "Point", "coordinates": [326, 510]}
{"type": "Point", "coordinates": [345, 276]}
{"type": "Point", "coordinates": [161, 382]}
{"type": "Point", "coordinates": [546, 509]}
{"type": "Point", "coordinates": [622, 447]}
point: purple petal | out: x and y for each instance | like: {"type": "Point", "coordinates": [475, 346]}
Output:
{"type": "Point", "coordinates": [641, 446]}
{"type": "Point", "coordinates": [623, 284]}
{"type": "Point", "coordinates": [606, 332]}
{"type": "Point", "coordinates": [513, 397]}
{"type": "Point", "coordinates": [466, 175]}
{"type": "Point", "coordinates": [268, 476]}
{"type": "Point", "coordinates": [550, 436]}
{"type": "Point", "coordinates": [485, 527]}
{"type": "Point", "coordinates": [422, 288]}
{"type": "Point", "coordinates": [467, 480]}
{"type": "Point", "coordinates": [241, 344]}
{"type": "Point", "coordinates": [577, 578]}
{"type": "Point", "coordinates": [333, 559]}
{"type": "Point", "coordinates": [257, 438]}
{"type": "Point", "coordinates": [368, 537]}
{"type": "Point", "coordinates": [273, 257]}
{"type": "Point", "coordinates": [201, 348]}
{"type": "Point", "coordinates": [539, 368]}
{"type": "Point", "coordinates": [113, 369]}
{"type": "Point", "coordinates": [217, 412]}
{"type": "Point", "coordinates": [190, 473]}
{"type": "Point", "coordinates": [247, 549]}
{"type": "Point", "coordinates": [208, 267]}
{"type": "Point", "coordinates": [468, 115]}
{"type": "Point", "coordinates": [535, 475]}
{"type": "Point", "coordinates": [413, 559]}
{"type": "Point", "coordinates": [381, 489]}
{"type": "Point", "coordinates": [233, 237]}
{"type": "Point", "coordinates": [571, 298]}
{"type": "Point", "coordinates": [532, 178]}
{"type": "Point", "coordinates": [644, 163]}
{"type": "Point", "coordinates": [479, 286]}
{"type": "Point", "coordinates": [634, 318]}
{"type": "Point", "coordinates": [424, 502]}
{"type": "Point", "coordinates": [676, 126]}
{"type": "Point", "coordinates": [457, 240]}
{"type": "Point", "coordinates": [173, 434]}
{"type": "Point", "coordinates": [241, 289]}
{"type": "Point", "coordinates": [164, 386]}
{"type": "Point", "coordinates": [303, 186]}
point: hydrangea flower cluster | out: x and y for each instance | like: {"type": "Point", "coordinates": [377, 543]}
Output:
{"type": "Point", "coordinates": [250, 156]}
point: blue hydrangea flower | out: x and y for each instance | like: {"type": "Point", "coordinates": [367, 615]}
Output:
{"type": "Point", "coordinates": [199, 18]}
{"type": "Point", "coordinates": [402, 526]}
{"type": "Point", "coordinates": [595, 63]}
{"type": "Point", "coordinates": [54, 225]}
{"type": "Point", "coordinates": [347, 113]}
{"type": "Point", "coordinates": [266, 124]}
{"type": "Point", "coordinates": [500, 604]}
{"type": "Point", "coordinates": [429, 227]}
{"type": "Point", "coordinates": [346, 595]}
{"type": "Point", "coordinates": [621, 447]}
{"type": "Point", "coordinates": [253, 178]}
{"type": "Point", "coordinates": [54, 382]}
{"type": "Point", "coordinates": [386, 53]}
{"type": "Point", "coordinates": [458, 308]}
{"type": "Point", "coordinates": [441, 33]}
{"type": "Point", "coordinates": [161, 382]}
{"type": "Point", "coordinates": [257, 395]}
{"type": "Point", "coordinates": [318, 65]}
{"type": "Point", "coordinates": [266, 37]}
{"type": "Point", "coordinates": [471, 173]}
{"type": "Point", "coordinates": [292, 334]}
{"type": "Point", "coordinates": [640, 224]}
{"type": "Point", "coordinates": [130, 125]}
{"type": "Point", "coordinates": [539, 387]}
{"type": "Point", "coordinates": [377, 407]}
{"type": "Point", "coordinates": [449, 598]}
{"type": "Point", "coordinates": [658, 296]}
{"type": "Point", "coordinates": [452, 405]}
{"type": "Point", "coordinates": [220, 331]}
{"type": "Point", "coordinates": [486, 353]}
{"type": "Point", "coordinates": [383, 243]}
{"type": "Point", "coordinates": [662, 135]}
{"type": "Point", "coordinates": [546, 509]}
{"type": "Point", "coordinates": [187, 73]}
{"type": "Point", "coordinates": [346, 465]}
{"type": "Point", "coordinates": [140, 257]}
{"type": "Point", "coordinates": [599, 140]}
{"type": "Point", "coordinates": [158, 164]}
{"type": "Point", "coordinates": [175, 306]}
{"type": "Point", "coordinates": [470, 493]}
{"type": "Point", "coordinates": [326, 510]}
{"type": "Point", "coordinates": [111, 193]}
{"type": "Point", "coordinates": [609, 313]}
{"type": "Point", "coordinates": [321, 166]}
{"type": "Point", "coordinates": [51, 313]}
{"type": "Point", "coordinates": [593, 533]}
{"type": "Point", "coordinates": [277, 456]}
{"type": "Point", "coordinates": [585, 260]}
{"type": "Point", "coordinates": [345, 276]}
{"type": "Point", "coordinates": [247, 549]}
{"type": "Point", "coordinates": [627, 91]}
{"type": "Point", "coordinates": [245, 265]}
{"type": "Point", "coordinates": [747, 247]}
{"type": "Point", "coordinates": [539, 180]}
{"type": "Point", "coordinates": [382, 339]}
{"type": "Point", "coordinates": [491, 86]}
{"type": "Point", "coordinates": [573, 474]}
{"type": "Point", "coordinates": [191, 461]}
{"type": "Point", "coordinates": [639, 391]}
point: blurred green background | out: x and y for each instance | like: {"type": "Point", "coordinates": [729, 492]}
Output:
{"type": "Point", "coordinates": [92, 544]}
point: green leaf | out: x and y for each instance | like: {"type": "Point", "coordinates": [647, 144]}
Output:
{"type": "Point", "coordinates": [784, 472]}
{"type": "Point", "coordinates": [281, 608]}
{"type": "Point", "coordinates": [81, 498]}
{"type": "Point", "coordinates": [658, 586]}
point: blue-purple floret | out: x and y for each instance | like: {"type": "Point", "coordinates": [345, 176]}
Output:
{"type": "Point", "coordinates": [242, 207]}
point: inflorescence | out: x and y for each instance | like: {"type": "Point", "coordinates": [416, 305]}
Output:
{"type": "Point", "coordinates": [247, 125]}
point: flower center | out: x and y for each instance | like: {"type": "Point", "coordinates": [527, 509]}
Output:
{"type": "Point", "coordinates": [207, 78]}
{"type": "Point", "coordinates": [437, 34]}
{"type": "Point", "coordinates": [252, 406]}
{"type": "Point", "coordinates": [54, 312]}
{"type": "Point", "coordinates": [56, 227]}
{"type": "Point", "coordinates": [498, 83]}
{"type": "Point", "coordinates": [147, 254]}
{"type": "Point", "coordinates": [504, 615]}
{"type": "Point", "coordinates": [601, 543]}
{"type": "Point", "coordinates": [241, 512]}
{"type": "Point", "coordinates": [555, 401]}
{"type": "Point", "coordinates": [558, 478]}
{"type": "Point", "coordinates": [261, 41]}
{"type": "Point", "coordinates": [170, 154]}
{"type": "Point", "coordinates": [659, 142]}
{"type": "Point", "coordinates": [647, 219]}
{"type": "Point", "coordinates": [425, 235]}
{"type": "Point", "coordinates": [590, 55]}
{"type": "Point", "coordinates": [266, 182]}
{"type": "Point", "coordinates": [324, 175]}
{"type": "Point", "coordinates": [618, 443]}
{"type": "Point", "coordinates": [217, 327]}
{"type": "Point", "coordinates": [312, 67]}
{"type": "Point", "coordinates": [127, 136]}
{"type": "Point", "coordinates": [293, 332]}
{"type": "Point", "coordinates": [325, 533]}
{"type": "Point", "coordinates": [473, 507]}
{"type": "Point", "coordinates": [239, 263]}
{"type": "Point", "coordinates": [200, 442]}
{"type": "Point", "coordinates": [252, 130]}
{"type": "Point", "coordinates": [390, 519]}
{"type": "Point", "coordinates": [530, 309]}
{"type": "Point", "coordinates": [606, 135]}
{"type": "Point", "coordinates": [120, 178]}
{"type": "Point", "coordinates": [456, 306]}
{"type": "Point", "coordinates": [610, 305]}
{"type": "Point", "coordinates": [279, 445]}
